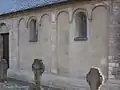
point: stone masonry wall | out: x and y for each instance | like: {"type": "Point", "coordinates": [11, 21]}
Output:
{"type": "Point", "coordinates": [114, 40]}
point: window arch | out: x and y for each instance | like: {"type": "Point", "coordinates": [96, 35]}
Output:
{"type": "Point", "coordinates": [33, 35]}
{"type": "Point", "coordinates": [3, 28]}
{"type": "Point", "coordinates": [80, 26]}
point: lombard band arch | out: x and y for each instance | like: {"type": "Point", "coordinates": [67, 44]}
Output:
{"type": "Point", "coordinates": [98, 5]}
{"type": "Point", "coordinates": [31, 18]}
{"type": "Point", "coordinates": [33, 29]}
{"type": "Point", "coordinates": [59, 12]}
{"type": "Point", "coordinates": [3, 28]}
{"type": "Point", "coordinates": [79, 10]}
{"type": "Point", "coordinates": [46, 14]}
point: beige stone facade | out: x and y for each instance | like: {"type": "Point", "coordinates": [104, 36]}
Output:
{"type": "Point", "coordinates": [67, 61]}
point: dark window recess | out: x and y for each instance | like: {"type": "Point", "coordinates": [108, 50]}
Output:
{"type": "Point", "coordinates": [81, 26]}
{"type": "Point", "coordinates": [33, 31]}
{"type": "Point", "coordinates": [6, 47]}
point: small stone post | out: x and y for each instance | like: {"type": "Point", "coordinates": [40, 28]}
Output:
{"type": "Point", "coordinates": [38, 69]}
{"type": "Point", "coordinates": [94, 79]}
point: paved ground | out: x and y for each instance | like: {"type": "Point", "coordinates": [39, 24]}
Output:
{"type": "Point", "coordinates": [13, 84]}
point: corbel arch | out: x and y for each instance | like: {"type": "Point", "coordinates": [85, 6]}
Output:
{"type": "Point", "coordinates": [4, 28]}
{"type": "Point", "coordinates": [79, 10]}
{"type": "Point", "coordinates": [18, 25]}
{"type": "Point", "coordinates": [31, 18]}
{"type": "Point", "coordinates": [20, 21]}
{"type": "Point", "coordinates": [45, 14]}
{"type": "Point", "coordinates": [98, 5]}
{"type": "Point", "coordinates": [61, 11]}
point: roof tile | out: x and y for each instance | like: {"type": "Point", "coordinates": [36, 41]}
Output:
{"type": "Point", "coordinates": [8, 6]}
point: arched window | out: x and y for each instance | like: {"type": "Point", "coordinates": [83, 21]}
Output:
{"type": "Point", "coordinates": [33, 31]}
{"type": "Point", "coordinates": [81, 26]}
